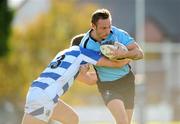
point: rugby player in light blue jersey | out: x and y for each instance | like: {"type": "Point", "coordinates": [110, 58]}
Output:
{"type": "Point", "coordinates": [116, 85]}
{"type": "Point", "coordinates": [42, 101]}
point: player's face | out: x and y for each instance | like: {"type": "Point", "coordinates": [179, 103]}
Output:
{"type": "Point", "coordinates": [102, 28]}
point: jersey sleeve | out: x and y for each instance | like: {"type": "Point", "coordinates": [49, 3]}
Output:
{"type": "Point", "coordinates": [124, 37]}
{"type": "Point", "coordinates": [90, 56]}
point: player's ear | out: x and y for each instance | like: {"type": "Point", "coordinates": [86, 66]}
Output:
{"type": "Point", "coordinates": [93, 26]}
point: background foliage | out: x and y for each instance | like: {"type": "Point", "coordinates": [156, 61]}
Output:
{"type": "Point", "coordinates": [32, 48]}
{"type": "Point", "coordinates": [6, 17]}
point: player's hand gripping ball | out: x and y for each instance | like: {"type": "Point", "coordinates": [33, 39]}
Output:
{"type": "Point", "coordinates": [106, 49]}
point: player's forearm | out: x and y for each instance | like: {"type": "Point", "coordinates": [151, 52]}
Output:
{"type": "Point", "coordinates": [89, 78]}
{"type": "Point", "coordinates": [134, 51]}
{"type": "Point", "coordinates": [109, 63]}
{"type": "Point", "coordinates": [134, 54]}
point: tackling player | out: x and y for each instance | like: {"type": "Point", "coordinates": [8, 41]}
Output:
{"type": "Point", "coordinates": [42, 101]}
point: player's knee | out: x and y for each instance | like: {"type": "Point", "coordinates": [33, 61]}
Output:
{"type": "Point", "coordinates": [121, 122]}
{"type": "Point", "coordinates": [73, 119]}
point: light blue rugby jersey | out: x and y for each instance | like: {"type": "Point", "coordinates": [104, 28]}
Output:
{"type": "Point", "coordinates": [107, 73]}
{"type": "Point", "coordinates": [60, 73]}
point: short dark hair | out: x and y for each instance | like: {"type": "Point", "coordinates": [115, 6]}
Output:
{"type": "Point", "coordinates": [76, 40]}
{"type": "Point", "coordinates": [100, 14]}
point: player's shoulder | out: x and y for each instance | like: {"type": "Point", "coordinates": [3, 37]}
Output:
{"type": "Point", "coordinates": [84, 50]}
{"type": "Point", "coordinates": [69, 51]}
{"type": "Point", "coordinates": [85, 37]}
{"type": "Point", "coordinates": [88, 42]}
{"type": "Point", "coordinates": [118, 31]}
{"type": "Point", "coordinates": [73, 48]}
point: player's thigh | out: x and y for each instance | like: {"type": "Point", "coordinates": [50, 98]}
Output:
{"type": "Point", "coordinates": [64, 113]}
{"type": "Point", "coordinates": [28, 119]}
{"type": "Point", "coordinates": [117, 108]}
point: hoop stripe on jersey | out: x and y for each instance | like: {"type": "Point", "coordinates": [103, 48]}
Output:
{"type": "Point", "coordinates": [57, 80]}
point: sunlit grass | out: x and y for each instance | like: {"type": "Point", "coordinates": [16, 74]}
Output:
{"type": "Point", "coordinates": [153, 122]}
{"type": "Point", "coordinates": [103, 122]}
{"type": "Point", "coordinates": [159, 122]}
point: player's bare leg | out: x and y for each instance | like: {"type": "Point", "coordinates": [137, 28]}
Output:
{"type": "Point", "coordinates": [117, 108]}
{"type": "Point", "coordinates": [129, 113]}
{"type": "Point", "coordinates": [28, 119]}
{"type": "Point", "coordinates": [64, 114]}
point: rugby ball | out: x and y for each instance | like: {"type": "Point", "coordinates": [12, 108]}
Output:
{"type": "Point", "coordinates": [107, 48]}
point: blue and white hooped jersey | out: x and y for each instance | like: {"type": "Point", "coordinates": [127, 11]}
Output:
{"type": "Point", "coordinates": [116, 34]}
{"type": "Point", "coordinates": [60, 73]}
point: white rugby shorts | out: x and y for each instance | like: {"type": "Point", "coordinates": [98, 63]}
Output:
{"type": "Point", "coordinates": [38, 104]}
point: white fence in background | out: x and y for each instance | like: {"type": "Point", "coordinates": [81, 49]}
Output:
{"type": "Point", "coordinates": [160, 76]}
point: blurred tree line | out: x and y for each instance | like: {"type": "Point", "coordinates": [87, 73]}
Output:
{"type": "Point", "coordinates": [6, 17]}
{"type": "Point", "coordinates": [32, 48]}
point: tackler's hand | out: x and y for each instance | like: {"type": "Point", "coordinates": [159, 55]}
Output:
{"type": "Point", "coordinates": [84, 68]}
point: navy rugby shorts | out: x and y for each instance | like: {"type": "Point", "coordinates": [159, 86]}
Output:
{"type": "Point", "coordinates": [123, 89]}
